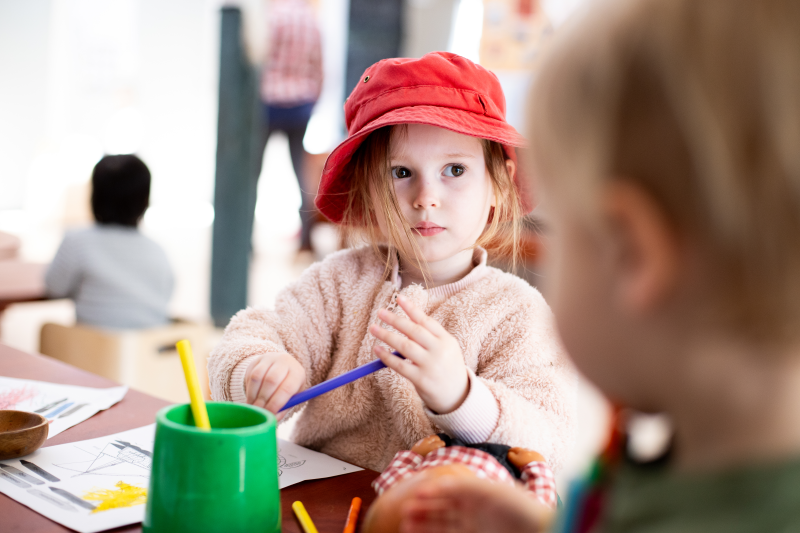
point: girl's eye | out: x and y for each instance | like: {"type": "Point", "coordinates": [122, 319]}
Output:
{"type": "Point", "coordinates": [454, 171]}
{"type": "Point", "coordinates": [401, 172]}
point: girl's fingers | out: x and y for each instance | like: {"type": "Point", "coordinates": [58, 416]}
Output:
{"type": "Point", "coordinates": [290, 385]}
{"type": "Point", "coordinates": [410, 349]}
{"type": "Point", "coordinates": [419, 317]}
{"type": "Point", "coordinates": [416, 332]}
{"type": "Point", "coordinates": [272, 380]}
{"type": "Point", "coordinates": [255, 381]}
{"type": "Point", "coordinates": [404, 367]}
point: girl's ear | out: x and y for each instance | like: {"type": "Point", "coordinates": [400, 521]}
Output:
{"type": "Point", "coordinates": [511, 168]}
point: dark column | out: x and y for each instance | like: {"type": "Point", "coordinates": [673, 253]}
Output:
{"type": "Point", "coordinates": [375, 33]}
{"type": "Point", "coordinates": [238, 164]}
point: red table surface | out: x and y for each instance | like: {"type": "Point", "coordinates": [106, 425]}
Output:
{"type": "Point", "coordinates": [326, 500]}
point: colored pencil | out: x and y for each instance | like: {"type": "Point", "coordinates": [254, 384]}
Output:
{"type": "Point", "coordinates": [335, 383]}
{"type": "Point", "coordinates": [352, 516]}
{"type": "Point", "coordinates": [302, 517]}
{"type": "Point", "coordinates": [198, 405]}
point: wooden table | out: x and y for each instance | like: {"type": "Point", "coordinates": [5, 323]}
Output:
{"type": "Point", "coordinates": [327, 500]}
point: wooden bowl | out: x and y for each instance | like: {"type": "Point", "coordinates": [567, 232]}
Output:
{"type": "Point", "coordinates": [21, 433]}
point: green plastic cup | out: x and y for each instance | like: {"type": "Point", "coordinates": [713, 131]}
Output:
{"type": "Point", "coordinates": [225, 479]}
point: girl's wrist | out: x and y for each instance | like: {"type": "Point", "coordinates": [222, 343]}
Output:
{"type": "Point", "coordinates": [475, 420]}
{"type": "Point", "coordinates": [446, 407]}
{"type": "Point", "coordinates": [238, 379]}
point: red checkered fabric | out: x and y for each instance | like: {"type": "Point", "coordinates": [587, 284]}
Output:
{"type": "Point", "coordinates": [293, 73]}
{"type": "Point", "coordinates": [405, 463]}
{"type": "Point", "coordinates": [537, 476]}
{"type": "Point", "coordinates": [541, 482]}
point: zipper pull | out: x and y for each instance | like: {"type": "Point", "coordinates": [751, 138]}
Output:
{"type": "Point", "coordinates": [393, 302]}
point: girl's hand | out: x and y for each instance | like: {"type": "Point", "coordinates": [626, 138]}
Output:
{"type": "Point", "coordinates": [472, 505]}
{"type": "Point", "coordinates": [272, 379]}
{"type": "Point", "coordinates": [433, 359]}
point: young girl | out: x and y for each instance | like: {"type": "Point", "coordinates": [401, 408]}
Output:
{"type": "Point", "coordinates": [427, 174]}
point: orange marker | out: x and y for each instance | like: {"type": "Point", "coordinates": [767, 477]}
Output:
{"type": "Point", "coordinates": [352, 516]}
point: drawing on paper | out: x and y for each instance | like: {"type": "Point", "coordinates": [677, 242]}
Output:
{"type": "Point", "coordinates": [41, 472]}
{"type": "Point", "coordinates": [33, 480]}
{"type": "Point", "coordinates": [283, 464]}
{"type": "Point", "coordinates": [63, 405]}
{"type": "Point", "coordinates": [118, 458]}
{"type": "Point", "coordinates": [10, 398]}
{"type": "Point", "coordinates": [64, 506]}
{"type": "Point", "coordinates": [67, 495]}
{"type": "Point", "coordinates": [124, 495]}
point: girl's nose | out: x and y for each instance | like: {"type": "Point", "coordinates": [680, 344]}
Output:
{"type": "Point", "coordinates": [427, 195]}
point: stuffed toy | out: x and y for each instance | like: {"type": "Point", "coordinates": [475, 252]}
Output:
{"type": "Point", "coordinates": [440, 455]}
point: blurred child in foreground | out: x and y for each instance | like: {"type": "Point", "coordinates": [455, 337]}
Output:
{"type": "Point", "coordinates": [666, 136]}
{"type": "Point", "coordinates": [118, 277]}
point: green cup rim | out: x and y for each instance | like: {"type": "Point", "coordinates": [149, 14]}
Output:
{"type": "Point", "coordinates": [162, 420]}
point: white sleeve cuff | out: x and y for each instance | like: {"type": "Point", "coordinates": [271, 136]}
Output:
{"type": "Point", "coordinates": [236, 384]}
{"type": "Point", "coordinates": [476, 419]}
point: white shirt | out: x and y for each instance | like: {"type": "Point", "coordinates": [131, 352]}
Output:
{"type": "Point", "coordinates": [118, 277]}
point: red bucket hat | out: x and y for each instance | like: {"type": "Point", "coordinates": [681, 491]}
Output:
{"type": "Point", "coordinates": [439, 89]}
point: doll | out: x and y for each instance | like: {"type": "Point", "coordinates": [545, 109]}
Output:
{"type": "Point", "coordinates": [440, 455]}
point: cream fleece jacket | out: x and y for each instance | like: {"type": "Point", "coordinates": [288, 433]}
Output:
{"type": "Point", "coordinates": [522, 386]}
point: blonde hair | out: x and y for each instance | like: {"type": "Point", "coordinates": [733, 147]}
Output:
{"type": "Point", "coordinates": [369, 171]}
{"type": "Point", "coordinates": [697, 102]}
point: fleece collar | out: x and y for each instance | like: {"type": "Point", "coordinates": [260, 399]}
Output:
{"type": "Point", "coordinates": [442, 292]}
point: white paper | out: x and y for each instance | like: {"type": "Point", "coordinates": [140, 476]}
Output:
{"type": "Point", "coordinates": [296, 464]}
{"type": "Point", "coordinates": [100, 464]}
{"type": "Point", "coordinates": [63, 405]}
{"type": "Point", "coordinates": [81, 468]}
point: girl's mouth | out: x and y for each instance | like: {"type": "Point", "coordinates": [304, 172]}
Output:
{"type": "Point", "coordinates": [427, 229]}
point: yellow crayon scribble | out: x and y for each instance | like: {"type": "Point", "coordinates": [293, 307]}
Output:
{"type": "Point", "coordinates": [125, 496]}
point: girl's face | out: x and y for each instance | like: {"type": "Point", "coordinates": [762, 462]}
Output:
{"type": "Point", "coordinates": [443, 189]}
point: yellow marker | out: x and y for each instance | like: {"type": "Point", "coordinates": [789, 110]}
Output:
{"type": "Point", "coordinates": [302, 516]}
{"type": "Point", "coordinates": [198, 404]}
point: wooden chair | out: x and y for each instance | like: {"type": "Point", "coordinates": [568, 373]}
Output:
{"type": "Point", "coordinates": [144, 359]}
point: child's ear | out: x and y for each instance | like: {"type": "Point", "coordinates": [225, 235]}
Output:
{"type": "Point", "coordinates": [646, 247]}
{"type": "Point", "coordinates": [511, 168]}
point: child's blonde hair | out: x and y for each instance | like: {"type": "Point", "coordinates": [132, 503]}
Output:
{"type": "Point", "coordinates": [697, 102]}
{"type": "Point", "coordinates": [370, 171]}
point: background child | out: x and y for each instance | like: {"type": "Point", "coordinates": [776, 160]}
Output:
{"type": "Point", "coordinates": [118, 277]}
{"type": "Point", "coordinates": [420, 177]}
{"type": "Point", "coordinates": [666, 133]}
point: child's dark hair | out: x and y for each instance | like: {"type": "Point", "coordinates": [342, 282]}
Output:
{"type": "Point", "coordinates": [120, 190]}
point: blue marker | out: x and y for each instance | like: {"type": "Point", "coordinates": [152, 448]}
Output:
{"type": "Point", "coordinates": [335, 383]}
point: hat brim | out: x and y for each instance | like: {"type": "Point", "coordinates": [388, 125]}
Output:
{"type": "Point", "coordinates": [334, 186]}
